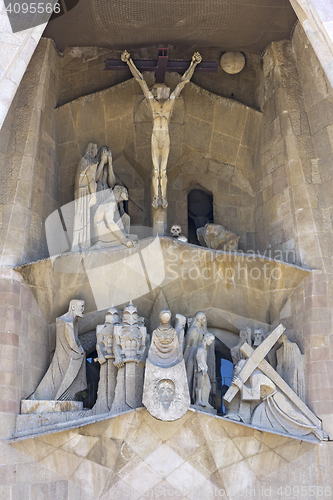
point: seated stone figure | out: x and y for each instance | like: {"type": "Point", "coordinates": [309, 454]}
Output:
{"type": "Point", "coordinates": [66, 375]}
{"type": "Point", "coordinates": [217, 237]}
{"type": "Point", "coordinates": [109, 228]}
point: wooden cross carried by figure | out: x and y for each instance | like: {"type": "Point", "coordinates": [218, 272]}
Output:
{"type": "Point", "coordinates": [161, 65]}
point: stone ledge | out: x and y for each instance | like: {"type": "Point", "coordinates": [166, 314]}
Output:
{"type": "Point", "coordinates": [237, 428]}
{"type": "Point", "coordinates": [34, 406]}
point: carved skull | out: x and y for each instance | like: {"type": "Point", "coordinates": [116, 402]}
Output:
{"type": "Point", "coordinates": [175, 230]}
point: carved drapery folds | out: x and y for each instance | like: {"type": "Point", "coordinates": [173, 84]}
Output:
{"type": "Point", "coordinates": [98, 219]}
{"type": "Point", "coordinates": [66, 376]}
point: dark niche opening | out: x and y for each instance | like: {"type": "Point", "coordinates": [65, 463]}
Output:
{"type": "Point", "coordinates": [199, 211]}
{"type": "Point", "coordinates": [89, 396]}
{"type": "Point", "coordinates": [224, 370]}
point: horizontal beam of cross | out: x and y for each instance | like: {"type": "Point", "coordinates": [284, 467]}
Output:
{"type": "Point", "coordinates": [161, 65]}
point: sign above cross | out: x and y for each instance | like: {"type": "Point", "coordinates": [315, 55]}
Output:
{"type": "Point", "coordinates": [161, 65]}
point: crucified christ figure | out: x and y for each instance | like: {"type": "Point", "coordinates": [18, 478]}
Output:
{"type": "Point", "coordinates": [161, 104]}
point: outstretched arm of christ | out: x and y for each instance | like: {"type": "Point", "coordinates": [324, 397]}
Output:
{"type": "Point", "coordinates": [196, 59]}
{"type": "Point", "coordinates": [126, 57]}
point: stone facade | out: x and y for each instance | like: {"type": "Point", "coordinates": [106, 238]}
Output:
{"type": "Point", "coordinates": [269, 172]}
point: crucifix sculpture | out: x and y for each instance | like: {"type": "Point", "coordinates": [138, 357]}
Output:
{"type": "Point", "coordinates": [161, 104]}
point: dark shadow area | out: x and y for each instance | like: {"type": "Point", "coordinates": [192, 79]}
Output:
{"type": "Point", "coordinates": [224, 369]}
{"type": "Point", "coordinates": [89, 396]}
{"type": "Point", "coordinates": [200, 211]}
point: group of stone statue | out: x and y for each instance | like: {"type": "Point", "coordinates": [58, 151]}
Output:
{"type": "Point", "coordinates": [174, 367]}
{"type": "Point", "coordinates": [166, 374]}
{"type": "Point", "coordinates": [121, 349]}
{"type": "Point", "coordinates": [99, 218]}
{"type": "Point", "coordinates": [180, 367]}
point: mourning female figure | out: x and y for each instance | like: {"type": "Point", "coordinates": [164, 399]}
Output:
{"type": "Point", "coordinates": [94, 173]}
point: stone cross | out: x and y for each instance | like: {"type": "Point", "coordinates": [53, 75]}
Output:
{"type": "Point", "coordinates": [254, 360]}
{"type": "Point", "coordinates": [161, 65]}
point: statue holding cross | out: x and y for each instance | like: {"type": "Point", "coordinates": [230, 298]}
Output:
{"type": "Point", "coordinates": [161, 104]}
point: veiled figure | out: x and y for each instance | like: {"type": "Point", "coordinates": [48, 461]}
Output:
{"type": "Point", "coordinates": [94, 174]}
{"type": "Point", "coordinates": [164, 349]}
{"type": "Point", "coordinates": [165, 392]}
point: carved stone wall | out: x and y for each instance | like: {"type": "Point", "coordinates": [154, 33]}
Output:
{"type": "Point", "coordinates": [294, 202]}
{"type": "Point", "coordinates": [213, 144]}
{"type": "Point", "coordinates": [217, 153]}
{"type": "Point", "coordinates": [29, 162]}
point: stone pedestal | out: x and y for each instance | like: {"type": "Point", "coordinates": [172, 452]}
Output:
{"type": "Point", "coordinates": [159, 216]}
{"type": "Point", "coordinates": [128, 392]}
{"type": "Point", "coordinates": [205, 409]}
{"type": "Point", "coordinates": [106, 386]}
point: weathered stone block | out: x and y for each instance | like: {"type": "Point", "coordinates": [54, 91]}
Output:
{"type": "Point", "coordinates": [224, 148]}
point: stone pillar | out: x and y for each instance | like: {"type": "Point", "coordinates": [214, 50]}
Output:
{"type": "Point", "coordinates": [24, 346]}
{"type": "Point", "coordinates": [294, 207]}
{"type": "Point", "coordinates": [29, 177]}
{"type": "Point", "coordinates": [159, 220]}
{"type": "Point", "coordinates": [316, 18]}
